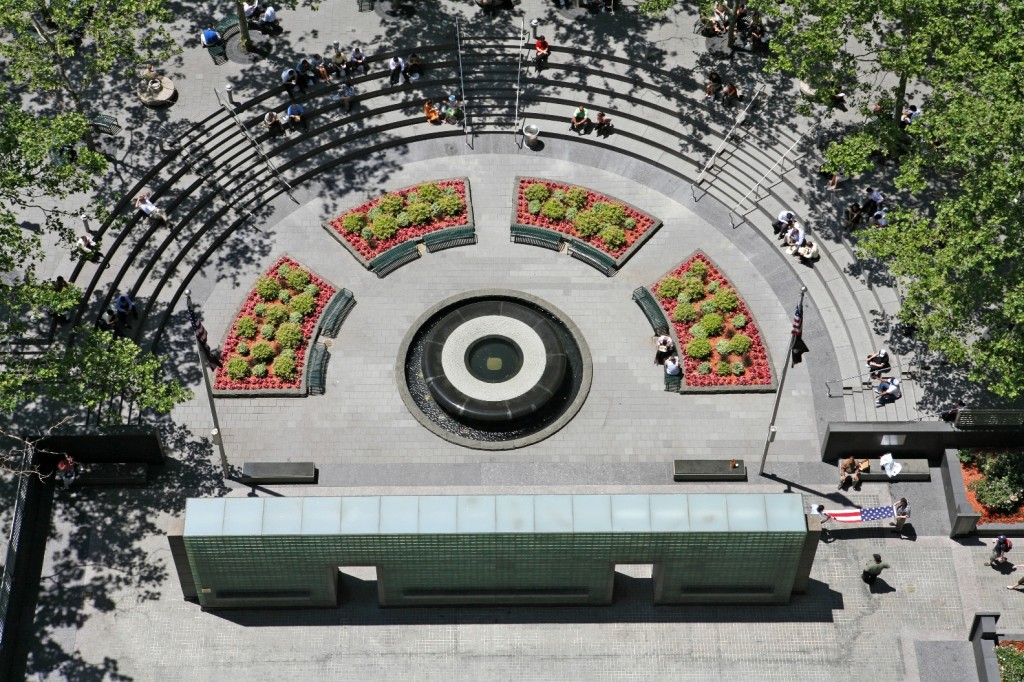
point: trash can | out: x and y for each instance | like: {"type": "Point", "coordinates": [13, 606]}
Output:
{"type": "Point", "coordinates": [531, 133]}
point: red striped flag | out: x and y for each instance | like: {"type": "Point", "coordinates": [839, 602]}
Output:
{"type": "Point", "coordinates": [862, 515]}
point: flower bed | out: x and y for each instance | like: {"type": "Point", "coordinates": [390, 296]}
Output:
{"type": "Point", "coordinates": [267, 344]}
{"type": "Point", "coordinates": [605, 223]}
{"type": "Point", "coordinates": [1010, 654]}
{"type": "Point", "coordinates": [718, 338]}
{"type": "Point", "coordinates": [406, 214]}
{"type": "Point", "coordinates": [993, 482]}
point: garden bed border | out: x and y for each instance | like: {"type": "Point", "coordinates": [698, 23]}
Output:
{"type": "Point", "coordinates": [326, 224]}
{"type": "Point", "coordinates": [303, 388]}
{"type": "Point", "coordinates": [626, 255]}
{"type": "Point", "coordinates": [683, 388]}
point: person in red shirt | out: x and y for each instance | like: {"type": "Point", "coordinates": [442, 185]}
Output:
{"type": "Point", "coordinates": [543, 52]}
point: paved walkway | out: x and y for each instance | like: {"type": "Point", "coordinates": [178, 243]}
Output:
{"type": "Point", "coordinates": [112, 609]}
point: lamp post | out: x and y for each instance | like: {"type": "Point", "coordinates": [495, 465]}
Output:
{"type": "Point", "coordinates": [215, 433]}
{"type": "Point", "coordinates": [782, 381]}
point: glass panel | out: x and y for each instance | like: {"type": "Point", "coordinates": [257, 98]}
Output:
{"type": "Point", "coordinates": [321, 515]}
{"type": "Point", "coordinates": [437, 514]}
{"type": "Point", "coordinates": [631, 513]}
{"type": "Point", "coordinates": [746, 512]}
{"type": "Point", "coordinates": [204, 516]}
{"type": "Point", "coordinates": [360, 515]}
{"type": "Point", "coordinates": [243, 516]}
{"type": "Point", "coordinates": [553, 513]}
{"type": "Point", "coordinates": [513, 513]}
{"type": "Point", "coordinates": [282, 515]}
{"type": "Point", "coordinates": [399, 514]}
{"type": "Point", "coordinates": [669, 513]}
{"type": "Point", "coordinates": [476, 514]}
{"type": "Point", "coordinates": [785, 512]}
{"type": "Point", "coordinates": [591, 513]}
{"type": "Point", "coordinates": [708, 514]}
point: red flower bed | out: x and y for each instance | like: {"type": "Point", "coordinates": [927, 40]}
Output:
{"type": "Point", "coordinates": [756, 367]}
{"type": "Point", "coordinates": [566, 226]}
{"type": "Point", "coordinates": [370, 251]}
{"type": "Point", "coordinates": [230, 351]}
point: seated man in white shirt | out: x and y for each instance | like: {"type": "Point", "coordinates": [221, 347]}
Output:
{"type": "Point", "coordinates": [795, 238]}
{"type": "Point", "coordinates": [146, 205]}
{"type": "Point", "coordinates": [250, 9]}
{"type": "Point", "coordinates": [808, 252]}
{"type": "Point", "coordinates": [269, 17]}
{"type": "Point", "coordinates": [672, 367]}
{"type": "Point", "coordinates": [888, 391]}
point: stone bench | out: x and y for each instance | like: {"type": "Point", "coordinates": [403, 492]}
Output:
{"type": "Point", "coordinates": [913, 470]}
{"type": "Point", "coordinates": [261, 473]}
{"type": "Point", "coordinates": [130, 473]}
{"type": "Point", "coordinates": [709, 470]}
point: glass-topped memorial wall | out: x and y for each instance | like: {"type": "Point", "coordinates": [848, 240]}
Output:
{"type": "Point", "coordinates": [488, 549]}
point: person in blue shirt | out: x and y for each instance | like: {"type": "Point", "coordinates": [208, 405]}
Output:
{"type": "Point", "coordinates": [210, 37]}
{"type": "Point", "coordinates": [294, 114]}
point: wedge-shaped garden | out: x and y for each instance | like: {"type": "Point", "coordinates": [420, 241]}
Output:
{"type": "Point", "coordinates": [267, 347]}
{"type": "Point", "coordinates": [716, 334]}
{"type": "Point", "coordinates": [384, 233]}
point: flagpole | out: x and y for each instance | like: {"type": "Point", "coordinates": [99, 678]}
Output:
{"type": "Point", "coordinates": [216, 435]}
{"type": "Point", "coordinates": [782, 381]}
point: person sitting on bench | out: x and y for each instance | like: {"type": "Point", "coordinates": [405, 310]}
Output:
{"type": "Point", "coordinates": [849, 470]}
{"type": "Point", "coordinates": [889, 391]}
{"type": "Point", "coordinates": [543, 52]}
{"type": "Point", "coordinates": [209, 37]}
{"type": "Point", "coordinates": [878, 363]}
{"type": "Point", "coordinates": [431, 112]}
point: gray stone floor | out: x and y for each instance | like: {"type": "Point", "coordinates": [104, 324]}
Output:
{"type": "Point", "coordinates": [111, 609]}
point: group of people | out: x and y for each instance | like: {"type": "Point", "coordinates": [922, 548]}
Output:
{"type": "Point", "coordinates": [581, 124]}
{"type": "Point", "coordinates": [794, 238]}
{"type": "Point", "coordinates": [115, 318]}
{"type": "Point", "coordinates": [408, 70]}
{"type": "Point", "coordinates": [750, 26]}
{"type": "Point", "coordinates": [716, 89]}
{"type": "Point", "coordinates": [294, 116]}
{"type": "Point", "coordinates": [443, 111]}
{"type": "Point", "coordinates": [665, 355]}
{"type": "Point", "coordinates": [267, 17]}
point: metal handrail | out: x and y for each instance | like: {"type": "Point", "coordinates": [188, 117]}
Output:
{"type": "Point", "coordinates": [519, 76]}
{"type": "Point", "coordinates": [757, 186]}
{"type": "Point", "coordinates": [259, 151]}
{"type": "Point", "coordinates": [739, 119]}
{"type": "Point", "coordinates": [462, 84]}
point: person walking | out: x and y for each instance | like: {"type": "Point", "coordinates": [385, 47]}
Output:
{"type": "Point", "coordinates": [824, 517]}
{"type": "Point", "coordinates": [999, 550]}
{"type": "Point", "coordinates": [902, 509]}
{"type": "Point", "coordinates": [873, 569]}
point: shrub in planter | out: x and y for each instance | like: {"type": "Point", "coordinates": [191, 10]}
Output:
{"type": "Point", "coordinates": [311, 289]}
{"type": "Point", "coordinates": [737, 368]}
{"type": "Point", "coordinates": [238, 368]}
{"type": "Point", "coordinates": [374, 213]}
{"type": "Point", "coordinates": [670, 287]}
{"type": "Point", "coordinates": [614, 237]}
{"type": "Point", "coordinates": [297, 279]}
{"type": "Point", "coordinates": [283, 269]}
{"type": "Point", "coordinates": [614, 214]}
{"type": "Point", "coordinates": [723, 347]}
{"type": "Point", "coordinates": [576, 197]}
{"type": "Point", "coordinates": [536, 191]}
{"type": "Point", "coordinates": [414, 196]}
{"type": "Point", "coordinates": [419, 212]}
{"type": "Point", "coordinates": [288, 353]}
{"type": "Point", "coordinates": [698, 349]}
{"type": "Point", "coordinates": [740, 344]}
{"type": "Point", "coordinates": [284, 296]}
{"type": "Point", "coordinates": [450, 204]}
{"type": "Point", "coordinates": [289, 335]}
{"type": "Point", "coordinates": [263, 351]}
{"type": "Point", "coordinates": [242, 348]}
{"type": "Point", "coordinates": [571, 214]}
{"type": "Point", "coordinates": [698, 332]}
{"type": "Point", "coordinates": [246, 327]}
{"type": "Point", "coordinates": [553, 209]}
{"type": "Point", "coordinates": [284, 368]}
{"type": "Point", "coordinates": [367, 235]}
{"type": "Point", "coordinates": [435, 209]}
{"type": "Point", "coordinates": [277, 313]}
{"type": "Point", "coordinates": [429, 192]}
{"type": "Point", "coordinates": [449, 190]}
{"type": "Point", "coordinates": [712, 324]}
{"type": "Point", "coordinates": [533, 207]}
{"type": "Point", "coordinates": [354, 222]}
{"type": "Point", "coordinates": [558, 194]}
{"type": "Point", "coordinates": [295, 316]}
{"type": "Point", "coordinates": [267, 331]}
{"type": "Point", "coordinates": [629, 223]}
{"type": "Point", "coordinates": [1011, 663]}
{"type": "Point", "coordinates": [391, 204]}
{"type": "Point", "coordinates": [704, 368]}
{"type": "Point", "coordinates": [995, 493]}
{"type": "Point", "coordinates": [722, 368]}
{"type": "Point", "coordinates": [739, 321]}
{"type": "Point", "coordinates": [698, 269]}
{"type": "Point", "coordinates": [385, 227]}
{"type": "Point", "coordinates": [268, 288]}
{"type": "Point", "coordinates": [708, 307]}
{"type": "Point", "coordinates": [303, 304]}
{"type": "Point", "coordinates": [587, 223]}
{"type": "Point", "coordinates": [713, 286]}
{"type": "Point", "coordinates": [259, 370]}
{"type": "Point", "coordinates": [684, 312]}
{"type": "Point", "coordinates": [403, 219]}
{"type": "Point", "coordinates": [693, 289]}
{"type": "Point", "coordinates": [260, 309]}
{"type": "Point", "coordinates": [727, 300]}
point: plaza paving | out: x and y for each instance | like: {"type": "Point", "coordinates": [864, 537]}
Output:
{"type": "Point", "coordinates": [117, 612]}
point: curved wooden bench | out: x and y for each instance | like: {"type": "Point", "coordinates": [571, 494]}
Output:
{"type": "Point", "coordinates": [316, 376]}
{"type": "Point", "coordinates": [652, 310]}
{"type": "Point", "coordinates": [536, 236]}
{"type": "Point", "coordinates": [449, 238]}
{"type": "Point", "coordinates": [394, 258]}
{"type": "Point", "coordinates": [593, 256]}
{"type": "Point", "coordinates": [335, 312]}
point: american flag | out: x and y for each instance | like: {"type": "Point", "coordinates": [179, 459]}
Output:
{"type": "Point", "coordinates": [862, 515]}
{"type": "Point", "coordinates": [197, 326]}
{"type": "Point", "coordinates": [798, 319]}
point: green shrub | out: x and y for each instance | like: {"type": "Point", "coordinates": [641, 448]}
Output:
{"type": "Point", "coordinates": [238, 368]}
{"type": "Point", "coordinates": [284, 368]}
{"type": "Point", "coordinates": [449, 190]}
{"type": "Point", "coordinates": [303, 304]}
{"type": "Point", "coordinates": [698, 349]}
{"type": "Point", "coordinates": [713, 286]}
{"type": "Point", "coordinates": [367, 235]}
{"type": "Point", "coordinates": [558, 194]}
{"type": "Point", "coordinates": [698, 332]}
{"type": "Point", "coordinates": [284, 296]}
{"type": "Point", "coordinates": [614, 237]}
{"type": "Point", "coordinates": [263, 351]}
{"type": "Point", "coordinates": [288, 353]}
{"type": "Point", "coordinates": [967, 456]}
{"type": "Point", "coordinates": [708, 307]}
{"type": "Point", "coordinates": [242, 348]}
{"type": "Point", "coordinates": [283, 269]}
{"type": "Point", "coordinates": [727, 300]}
{"type": "Point", "coordinates": [704, 368]}
{"type": "Point", "coordinates": [268, 288]}
{"type": "Point", "coordinates": [723, 347]}
{"type": "Point", "coordinates": [276, 314]}
{"type": "Point", "coordinates": [610, 213]}
{"type": "Point", "coordinates": [629, 223]}
{"type": "Point", "coordinates": [737, 368]}
{"type": "Point", "coordinates": [693, 289]}
{"type": "Point", "coordinates": [412, 197]}
{"type": "Point", "coordinates": [739, 321]}
{"type": "Point", "coordinates": [429, 192]}
{"type": "Point", "coordinates": [534, 206]}
{"type": "Point", "coordinates": [385, 227]}
{"type": "Point", "coordinates": [698, 268]}
{"type": "Point", "coordinates": [722, 368]}
{"type": "Point", "coordinates": [374, 213]}
{"type": "Point", "coordinates": [995, 493]}
{"type": "Point", "coordinates": [295, 316]}
{"type": "Point", "coordinates": [391, 204]}
{"type": "Point", "coordinates": [246, 327]}
{"type": "Point", "coordinates": [712, 323]}
{"type": "Point", "coordinates": [450, 204]}
{"type": "Point", "coordinates": [297, 279]}
{"type": "Point", "coordinates": [577, 197]}
{"type": "Point", "coordinates": [259, 370]}
{"type": "Point", "coordinates": [354, 222]}
{"type": "Point", "coordinates": [1011, 664]}
{"type": "Point", "coordinates": [587, 224]}
{"type": "Point", "coordinates": [403, 219]}
{"type": "Point", "coordinates": [740, 344]}
{"type": "Point", "coordinates": [419, 212]}
{"type": "Point", "coordinates": [267, 331]}
{"type": "Point", "coordinates": [435, 209]}
{"type": "Point", "coordinates": [571, 213]}
{"type": "Point", "coordinates": [311, 289]}
{"type": "Point", "coordinates": [289, 335]}
{"type": "Point", "coordinates": [553, 209]}
{"type": "Point", "coordinates": [536, 191]}
{"type": "Point", "coordinates": [684, 312]}
{"type": "Point", "coordinates": [260, 309]}
{"type": "Point", "coordinates": [670, 287]}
